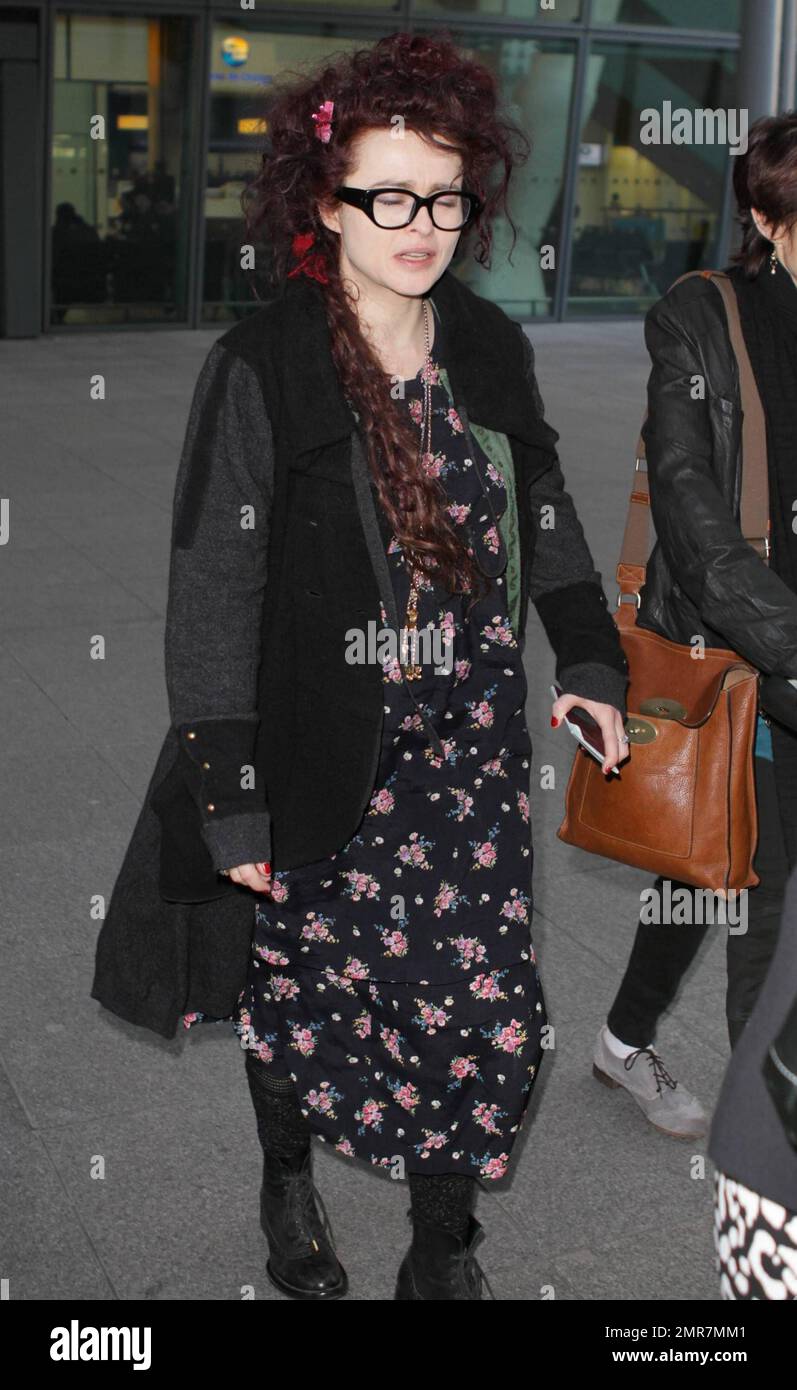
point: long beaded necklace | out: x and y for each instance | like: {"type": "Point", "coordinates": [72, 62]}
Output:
{"type": "Point", "coordinates": [412, 670]}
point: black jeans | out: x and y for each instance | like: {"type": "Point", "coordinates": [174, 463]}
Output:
{"type": "Point", "coordinates": [662, 954]}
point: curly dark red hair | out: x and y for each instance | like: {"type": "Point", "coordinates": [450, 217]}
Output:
{"type": "Point", "coordinates": [439, 93]}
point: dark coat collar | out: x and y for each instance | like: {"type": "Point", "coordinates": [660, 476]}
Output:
{"type": "Point", "coordinates": [484, 366]}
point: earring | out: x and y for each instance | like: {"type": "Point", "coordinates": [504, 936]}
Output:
{"type": "Point", "coordinates": [773, 261]}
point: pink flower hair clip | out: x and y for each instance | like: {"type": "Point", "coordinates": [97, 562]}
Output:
{"type": "Point", "coordinates": [323, 120]}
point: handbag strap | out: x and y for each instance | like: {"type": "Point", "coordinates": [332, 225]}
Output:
{"type": "Point", "coordinates": [754, 501]}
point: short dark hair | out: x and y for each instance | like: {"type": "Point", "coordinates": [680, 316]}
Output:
{"type": "Point", "coordinates": [765, 177]}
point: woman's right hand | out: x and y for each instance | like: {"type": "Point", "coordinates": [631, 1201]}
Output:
{"type": "Point", "coordinates": [251, 876]}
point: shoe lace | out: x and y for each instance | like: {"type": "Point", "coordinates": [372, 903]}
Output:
{"type": "Point", "coordinates": [474, 1276]}
{"type": "Point", "coordinates": [471, 1273]}
{"type": "Point", "coordinates": [301, 1197]}
{"type": "Point", "coordinates": [660, 1072]}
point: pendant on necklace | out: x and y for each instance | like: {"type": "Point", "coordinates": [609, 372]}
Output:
{"type": "Point", "coordinates": [409, 641]}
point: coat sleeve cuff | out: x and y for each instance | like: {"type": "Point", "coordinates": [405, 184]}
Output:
{"type": "Point", "coordinates": [594, 681]}
{"type": "Point", "coordinates": [217, 759]}
{"type": "Point", "coordinates": [235, 840]}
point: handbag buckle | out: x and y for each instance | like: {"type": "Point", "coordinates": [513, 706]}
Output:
{"type": "Point", "coordinates": [622, 596]}
{"type": "Point", "coordinates": [662, 707]}
{"type": "Point", "coordinates": [640, 730]}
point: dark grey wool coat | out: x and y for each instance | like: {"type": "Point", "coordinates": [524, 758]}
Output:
{"type": "Point", "coordinates": [278, 548]}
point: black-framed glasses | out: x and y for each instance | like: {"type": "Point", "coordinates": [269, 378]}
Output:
{"type": "Point", "coordinates": [450, 209]}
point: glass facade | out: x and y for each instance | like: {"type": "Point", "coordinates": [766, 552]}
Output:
{"type": "Point", "coordinates": [536, 79]}
{"type": "Point", "coordinates": [671, 14]}
{"type": "Point", "coordinates": [120, 180]}
{"type": "Point", "coordinates": [158, 115]}
{"type": "Point", "coordinates": [645, 213]}
{"type": "Point", "coordinates": [532, 11]}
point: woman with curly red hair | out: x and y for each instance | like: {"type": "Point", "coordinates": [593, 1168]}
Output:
{"type": "Point", "coordinates": [369, 449]}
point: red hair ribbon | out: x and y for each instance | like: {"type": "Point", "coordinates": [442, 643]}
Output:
{"type": "Point", "coordinates": [314, 265]}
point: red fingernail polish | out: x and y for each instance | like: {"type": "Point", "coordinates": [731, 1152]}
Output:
{"type": "Point", "coordinates": [554, 722]}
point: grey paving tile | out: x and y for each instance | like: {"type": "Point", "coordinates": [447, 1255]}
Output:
{"type": "Point", "coordinates": [48, 889]}
{"type": "Point", "coordinates": [75, 790]}
{"type": "Point", "coordinates": [121, 697]}
{"type": "Point", "coordinates": [47, 581]}
{"type": "Point", "coordinates": [30, 719]}
{"type": "Point", "coordinates": [76, 492]}
{"type": "Point", "coordinates": [82, 1065]}
{"type": "Point", "coordinates": [678, 1268]}
{"type": "Point", "coordinates": [137, 553]}
{"type": "Point", "coordinates": [46, 1251]}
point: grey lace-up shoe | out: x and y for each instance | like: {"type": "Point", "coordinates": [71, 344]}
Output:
{"type": "Point", "coordinates": [665, 1102]}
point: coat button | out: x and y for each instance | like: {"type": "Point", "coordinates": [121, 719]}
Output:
{"type": "Point", "coordinates": [211, 807]}
{"type": "Point", "coordinates": [191, 735]}
{"type": "Point", "coordinates": [206, 766]}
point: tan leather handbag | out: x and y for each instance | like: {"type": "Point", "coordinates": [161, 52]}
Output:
{"type": "Point", "coordinates": [684, 803]}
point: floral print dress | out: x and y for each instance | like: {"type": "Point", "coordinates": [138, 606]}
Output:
{"type": "Point", "coordinates": [397, 979]}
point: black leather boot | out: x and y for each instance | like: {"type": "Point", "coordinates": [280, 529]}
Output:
{"type": "Point", "coordinates": [441, 1265]}
{"type": "Point", "coordinates": [302, 1262]}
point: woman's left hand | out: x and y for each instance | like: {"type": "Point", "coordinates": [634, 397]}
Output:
{"type": "Point", "coordinates": [611, 725]}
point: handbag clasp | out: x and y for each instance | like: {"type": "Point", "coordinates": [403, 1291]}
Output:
{"type": "Point", "coordinates": [640, 730]}
{"type": "Point", "coordinates": [662, 707]}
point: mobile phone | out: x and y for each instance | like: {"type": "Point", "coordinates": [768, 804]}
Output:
{"type": "Point", "coordinates": [585, 729]}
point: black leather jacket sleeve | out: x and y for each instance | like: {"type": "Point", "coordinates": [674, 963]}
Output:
{"type": "Point", "coordinates": [217, 578]}
{"type": "Point", "coordinates": [565, 587]}
{"type": "Point", "coordinates": [733, 590]}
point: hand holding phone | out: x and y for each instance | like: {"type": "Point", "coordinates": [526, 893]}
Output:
{"type": "Point", "coordinates": [584, 728]}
